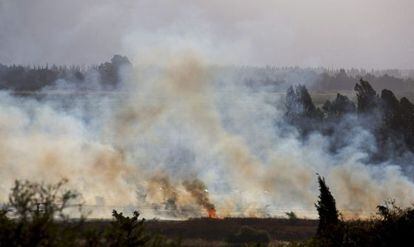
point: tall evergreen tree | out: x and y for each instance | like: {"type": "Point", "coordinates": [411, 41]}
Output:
{"type": "Point", "coordinates": [301, 112]}
{"type": "Point", "coordinates": [366, 96]}
{"type": "Point", "coordinates": [326, 206]}
{"type": "Point", "coordinates": [337, 108]}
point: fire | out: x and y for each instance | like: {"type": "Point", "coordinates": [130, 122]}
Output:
{"type": "Point", "coordinates": [212, 213]}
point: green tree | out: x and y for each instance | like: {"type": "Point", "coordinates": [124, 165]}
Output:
{"type": "Point", "coordinates": [301, 112]}
{"type": "Point", "coordinates": [326, 206]}
{"type": "Point", "coordinates": [127, 231]}
{"type": "Point", "coordinates": [366, 96]}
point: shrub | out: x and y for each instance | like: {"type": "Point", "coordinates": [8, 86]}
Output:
{"type": "Point", "coordinates": [36, 215]}
{"type": "Point", "coordinates": [291, 215]}
{"type": "Point", "coordinates": [39, 214]}
{"type": "Point", "coordinates": [127, 231]}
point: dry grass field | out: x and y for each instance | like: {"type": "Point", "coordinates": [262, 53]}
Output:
{"type": "Point", "coordinates": [214, 232]}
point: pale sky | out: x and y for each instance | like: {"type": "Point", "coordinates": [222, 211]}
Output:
{"type": "Point", "coordinates": [331, 33]}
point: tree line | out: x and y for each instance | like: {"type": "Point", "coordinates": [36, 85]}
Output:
{"type": "Point", "coordinates": [345, 80]}
{"type": "Point", "coordinates": [390, 120]}
{"type": "Point", "coordinates": [34, 78]}
{"type": "Point", "coordinates": [27, 78]}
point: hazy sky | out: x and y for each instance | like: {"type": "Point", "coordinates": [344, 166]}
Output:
{"type": "Point", "coordinates": [331, 33]}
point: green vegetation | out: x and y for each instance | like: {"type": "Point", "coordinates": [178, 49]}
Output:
{"type": "Point", "coordinates": [38, 214]}
{"type": "Point", "coordinates": [326, 206]}
{"type": "Point", "coordinates": [291, 215]}
{"type": "Point", "coordinates": [392, 226]}
{"type": "Point", "coordinates": [387, 118]}
{"type": "Point", "coordinates": [31, 79]}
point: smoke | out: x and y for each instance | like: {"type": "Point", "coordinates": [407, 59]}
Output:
{"type": "Point", "coordinates": [178, 139]}
{"type": "Point", "coordinates": [199, 191]}
{"type": "Point", "coordinates": [265, 32]}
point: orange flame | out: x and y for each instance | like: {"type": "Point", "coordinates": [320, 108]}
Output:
{"type": "Point", "coordinates": [212, 213]}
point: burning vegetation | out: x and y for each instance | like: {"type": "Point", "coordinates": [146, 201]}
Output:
{"type": "Point", "coordinates": [199, 191]}
{"type": "Point", "coordinates": [179, 199]}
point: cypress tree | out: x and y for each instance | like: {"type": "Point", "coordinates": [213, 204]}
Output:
{"type": "Point", "coordinates": [326, 206]}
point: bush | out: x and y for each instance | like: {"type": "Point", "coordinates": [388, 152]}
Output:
{"type": "Point", "coordinates": [291, 215]}
{"type": "Point", "coordinates": [126, 231]}
{"type": "Point", "coordinates": [38, 214]}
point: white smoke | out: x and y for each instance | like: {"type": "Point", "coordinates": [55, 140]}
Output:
{"type": "Point", "coordinates": [176, 122]}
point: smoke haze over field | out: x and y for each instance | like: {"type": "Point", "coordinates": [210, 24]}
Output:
{"type": "Point", "coordinates": [178, 140]}
{"type": "Point", "coordinates": [353, 33]}
{"type": "Point", "coordinates": [179, 137]}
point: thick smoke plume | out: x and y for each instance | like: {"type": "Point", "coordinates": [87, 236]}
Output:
{"type": "Point", "coordinates": [142, 145]}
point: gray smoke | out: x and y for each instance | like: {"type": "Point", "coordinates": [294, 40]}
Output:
{"type": "Point", "coordinates": [176, 121]}
{"type": "Point", "coordinates": [369, 33]}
